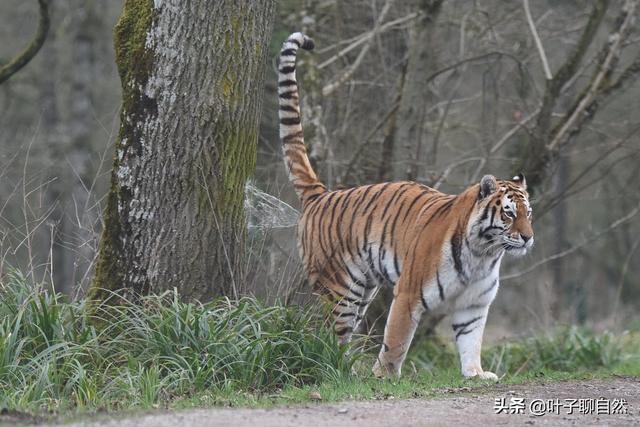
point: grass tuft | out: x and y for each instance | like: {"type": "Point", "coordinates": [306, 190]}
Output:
{"type": "Point", "coordinates": [567, 349]}
{"type": "Point", "coordinates": [54, 357]}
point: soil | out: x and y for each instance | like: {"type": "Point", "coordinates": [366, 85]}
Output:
{"type": "Point", "coordinates": [611, 402]}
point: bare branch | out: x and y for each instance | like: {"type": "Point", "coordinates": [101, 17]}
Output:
{"type": "Point", "coordinates": [561, 195]}
{"type": "Point", "coordinates": [27, 54]}
{"type": "Point", "coordinates": [445, 173]}
{"type": "Point", "coordinates": [598, 81]}
{"type": "Point", "coordinates": [365, 37]}
{"type": "Point", "coordinates": [513, 130]}
{"type": "Point", "coordinates": [367, 139]}
{"type": "Point", "coordinates": [568, 69]}
{"type": "Point", "coordinates": [536, 38]}
{"type": "Point", "coordinates": [480, 57]}
{"type": "Point", "coordinates": [331, 87]}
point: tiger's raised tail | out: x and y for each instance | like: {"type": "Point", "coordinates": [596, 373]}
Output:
{"type": "Point", "coordinates": [304, 179]}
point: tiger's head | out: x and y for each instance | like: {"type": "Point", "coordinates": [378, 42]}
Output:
{"type": "Point", "coordinates": [503, 219]}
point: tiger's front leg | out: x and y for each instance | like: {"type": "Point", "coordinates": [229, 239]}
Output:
{"type": "Point", "coordinates": [468, 327]}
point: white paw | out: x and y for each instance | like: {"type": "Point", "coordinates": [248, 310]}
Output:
{"type": "Point", "coordinates": [480, 374]}
{"type": "Point", "coordinates": [486, 375]}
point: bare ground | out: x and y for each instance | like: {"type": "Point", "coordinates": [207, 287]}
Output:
{"type": "Point", "coordinates": [450, 408]}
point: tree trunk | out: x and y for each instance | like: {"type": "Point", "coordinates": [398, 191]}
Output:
{"type": "Point", "coordinates": [192, 79]}
{"type": "Point", "coordinates": [417, 97]}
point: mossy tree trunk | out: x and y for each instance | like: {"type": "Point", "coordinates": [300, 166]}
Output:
{"type": "Point", "coordinates": [192, 80]}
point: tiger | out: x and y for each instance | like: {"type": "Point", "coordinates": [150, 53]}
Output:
{"type": "Point", "coordinates": [440, 253]}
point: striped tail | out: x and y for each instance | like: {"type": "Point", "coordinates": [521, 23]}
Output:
{"type": "Point", "coordinates": [301, 174]}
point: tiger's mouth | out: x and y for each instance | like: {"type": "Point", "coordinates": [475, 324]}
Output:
{"type": "Point", "coordinates": [516, 250]}
{"type": "Point", "coordinates": [510, 247]}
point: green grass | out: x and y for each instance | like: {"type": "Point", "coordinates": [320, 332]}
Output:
{"type": "Point", "coordinates": [53, 357]}
{"type": "Point", "coordinates": [58, 357]}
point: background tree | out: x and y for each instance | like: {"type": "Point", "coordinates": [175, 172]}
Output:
{"type": "Point", "coordinates": [192, 78]}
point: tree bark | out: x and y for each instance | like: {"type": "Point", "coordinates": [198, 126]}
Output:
{"type": "Point", "coordinates": [417, 97]}
{"type": "Point", "coordinates": [192, 79]}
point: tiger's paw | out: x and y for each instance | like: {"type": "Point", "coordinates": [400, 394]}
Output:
{"type": "Point", "coordinates": [377, 370]}
{"type": "Point", "coordinates": [486, 375]}
{"type": "Point", "coordinates": [383, 370]}
{"type": "Point", "coordinates": [481, 375]}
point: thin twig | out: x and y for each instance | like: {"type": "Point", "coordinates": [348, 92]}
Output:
{"type": "Point", "coordinates": [536, 38]}
{"type": "Point", "coordinates": [443, 176]}
{"type": "Point", "coordinates": [513, 130]}
{"type": "Point", "coordinates": [331, 87]}
{"type": "Point", "coordinates": [364, 37]}
{"type": "Point", "coordinates": [366, 141]}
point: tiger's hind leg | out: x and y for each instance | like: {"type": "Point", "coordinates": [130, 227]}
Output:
{"type": "Point", "coordinates": [349, 309]}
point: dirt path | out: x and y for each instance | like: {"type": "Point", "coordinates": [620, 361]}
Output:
{"type": "Point", "coordinates": [465, 408]}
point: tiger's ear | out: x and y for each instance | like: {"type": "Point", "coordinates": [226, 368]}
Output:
{"type": "Point", "coordinates": [488, 186]}
{"type": "Point", "coordinates": [520, 180]}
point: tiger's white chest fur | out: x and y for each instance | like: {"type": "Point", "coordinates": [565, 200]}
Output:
{"type": "Point", "coordinates": [473, 283]}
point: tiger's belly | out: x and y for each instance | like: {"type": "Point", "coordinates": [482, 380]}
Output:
{"type": "Point", "coordinates": [374, 267]}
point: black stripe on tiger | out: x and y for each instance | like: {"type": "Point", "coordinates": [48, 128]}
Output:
{"type": "Point", "coordinates": [423, 300]}
{"type": "Point", "coordinates": [288, 108]}
{"type": "Point", "coordinates": [461, 328]}
{"type": "Point", "coordinates": [289, 82]}
{"type": "Point", "coordinates": [456, 253]}
{"type": "Point", "coordinates": [486, 291]}
{"type": "Point", "coordinates": [288, 52]}
{"type": "Point", "coordinates": [444, 208]}
{"type": "Point", "coordinates": [440, 289]}
{"type": "Point", "coordinates": [345, 246]}
{"type": "Point", "coordinates": [289, 94]}
{"type": "Point", "coordinates": [343, 331]}
{"type": "Point", "coordinates": [288, 121]}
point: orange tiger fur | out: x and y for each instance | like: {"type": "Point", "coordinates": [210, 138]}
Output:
{"type": "Point", "coordinates": [440, 252]}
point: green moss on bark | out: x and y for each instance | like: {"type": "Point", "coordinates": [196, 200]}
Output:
{"type": "Point", "coordinates": [135, 63]}
{"type": "Point", "coordinates": [237, 156]}
{"type": "Point", "coordinates": [237, 163]}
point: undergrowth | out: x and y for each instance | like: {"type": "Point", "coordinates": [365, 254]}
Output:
{"type": "Point", "coordinates": [53, 356]}
{"type": "Point", "coordinates": [567, 349]}
{"type": "Point", "coordinates": [59, 356]}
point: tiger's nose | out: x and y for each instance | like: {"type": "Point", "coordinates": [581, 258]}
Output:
{"type": "Point", "coordinates": [525, 238]}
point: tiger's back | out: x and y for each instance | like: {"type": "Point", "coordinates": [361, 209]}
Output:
{"type": "Point", "coordinates": [437, 251]}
